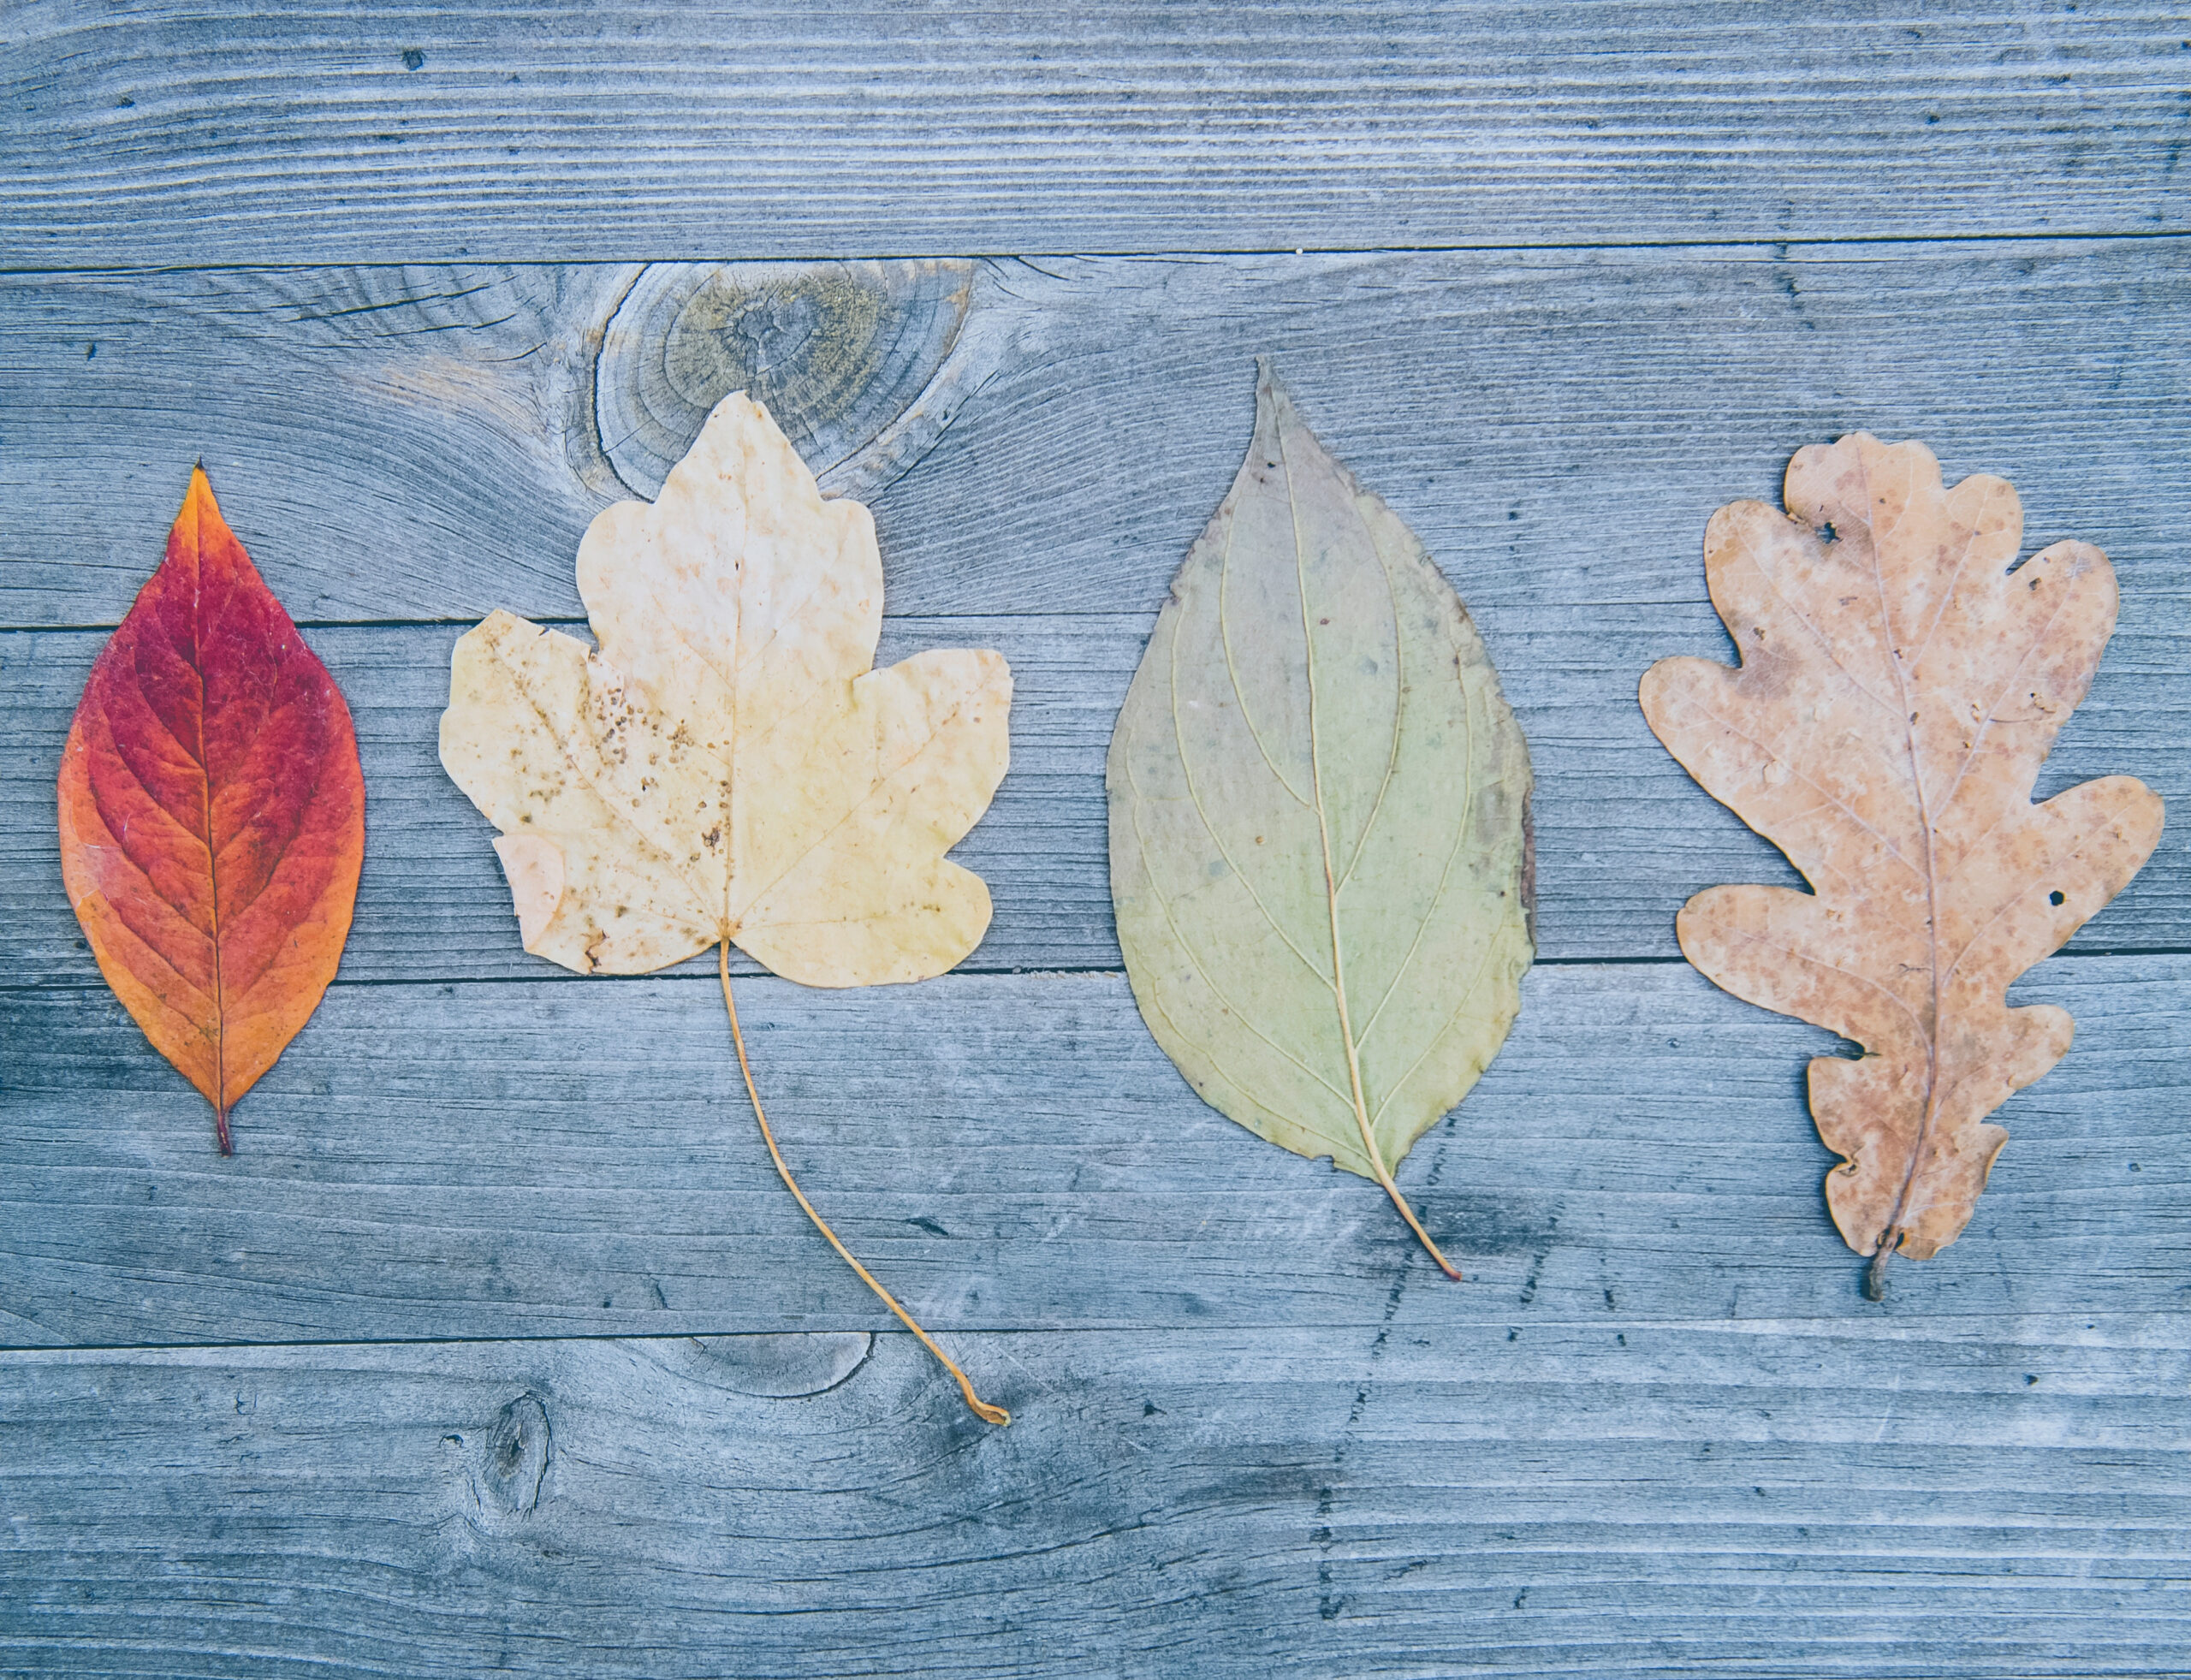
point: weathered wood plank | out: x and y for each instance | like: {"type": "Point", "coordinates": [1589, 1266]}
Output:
{"type": "Point", "coordinates": [1657, 1433]}
{"type": "Point", "coordinates": [426, 442]}
{"type": "Point", "coordinates": [170, 133]}
{"type": "Point", "coordinates": [1623, 836]}
{"type": "Point", "coordinates": [1013, 1152]}
{"type": "Point", "coordinates": [1913, 1497]}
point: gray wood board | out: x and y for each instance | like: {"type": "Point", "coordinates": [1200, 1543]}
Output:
{"type": "Point", "coordinates": [1849, 1496]}
{"type": "Point", "coordinates": [1657, 1432]}
{"type": "Point", "coordinates": [1623, 836]}
{"type": "Point", "coordinates": [1013, 1152]}
{"type": "Point", "coordinates": [415, 444]}
{"type": "Point", "coordinates": [182, 132]}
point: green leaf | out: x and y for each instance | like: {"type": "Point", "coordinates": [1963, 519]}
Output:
{"type": "Point", "coordinates": [1320, 840]}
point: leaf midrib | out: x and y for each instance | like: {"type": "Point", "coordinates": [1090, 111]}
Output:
{"type": "Point", "coordinates": [1316, 786]}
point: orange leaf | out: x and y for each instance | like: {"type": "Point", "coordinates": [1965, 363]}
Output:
{"type": "Point", "coordinates": [212, 814]}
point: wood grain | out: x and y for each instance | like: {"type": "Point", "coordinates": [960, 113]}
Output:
{"type": "Point", "coordinates": [863, 364]}
{"type": "Point", "coordinates": [1013, 1152]}
{"type": "Point", "coordinates": [1845, 1498]}
{"type": "Point", "coordinates": [174, 133]}
{"type": "Point", "coordinates": [421, 444]}
{"type": "Point", "coordinates": [1657, 1432]}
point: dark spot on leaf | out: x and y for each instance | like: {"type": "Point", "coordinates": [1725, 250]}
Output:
{"type": "Point", "coordinates": [2056, 897]}
{"type": "Point", "coordinates": [415, 60]}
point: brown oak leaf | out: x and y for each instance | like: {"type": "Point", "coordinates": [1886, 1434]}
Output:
{"type": "Point", "coordinates": [1901, 681]}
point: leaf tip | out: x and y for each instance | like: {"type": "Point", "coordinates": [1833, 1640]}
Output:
{"type": "Point", "coordinates": [1275, 413]}
{"type": "Point", "coordinates": [201, 514]}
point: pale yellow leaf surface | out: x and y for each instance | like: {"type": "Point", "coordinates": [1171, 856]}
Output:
{"type": "Point", "coordinates": [725, 767]}
{"type": "Point", "coordinates": [1901, 681]}
{"type": "Point", "coordinates": [725, 764]}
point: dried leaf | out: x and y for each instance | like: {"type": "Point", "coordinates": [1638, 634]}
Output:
{"type": "Point", "coordinates": [1899, 687]}
{"type": "Point", "coordinates": [212, 814]}
{"type": "Point", "coordinates": [726, 766]}
{"type": "Point", "coordinates": [1319, 819]}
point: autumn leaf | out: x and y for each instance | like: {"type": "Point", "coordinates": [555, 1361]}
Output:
{"type": "Point", "coordinates": [212, 814]}
{"type": "Point", "coordinates": [1900, 686]}
{"type": "Point", "coordinates": [1320, 845]}
{"type": "Point", "coordinates": [726, 768]}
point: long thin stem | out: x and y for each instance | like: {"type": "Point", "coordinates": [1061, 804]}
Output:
{"type": "Point", "coordinates": [982, 1408]}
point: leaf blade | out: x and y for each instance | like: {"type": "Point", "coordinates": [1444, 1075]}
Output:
{"type": "Point", "coordinates": [211, 813]}
{"type": "Point", "coordinates": [1318, 805]}
{"type": "Point", "coordinates": [727, 764]}
{"type": "Point", "coordinates": [1900, 686]}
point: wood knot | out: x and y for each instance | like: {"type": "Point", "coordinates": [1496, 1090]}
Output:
{"type": "Point", "coordinates": [852, 359]}
{"type": "Point", "coordinates": [515, 1456]}
{"type": "Point", "coordinates": [782, 1366]}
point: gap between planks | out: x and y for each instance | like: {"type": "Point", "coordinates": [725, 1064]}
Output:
{"type": "Point", "coordinates": [1787, 248]}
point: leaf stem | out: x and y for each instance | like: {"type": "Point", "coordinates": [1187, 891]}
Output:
{"type": "Point", "coordinates": [1384, 1177]}
{"type": "Point", "coordinates": [1875, 1273]}
{"type": "Point", "coordinates": [982, 1408]}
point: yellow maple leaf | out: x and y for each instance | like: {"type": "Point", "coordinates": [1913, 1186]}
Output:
{"type": "Point", "coordinates": [726, 768]}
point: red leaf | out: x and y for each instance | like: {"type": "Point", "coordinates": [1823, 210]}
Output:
{"type": "Point", "coordinates": [212, 814]}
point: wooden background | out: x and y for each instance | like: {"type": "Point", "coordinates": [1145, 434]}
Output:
{"type": "Point", "coordinates": [497, 1347]}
